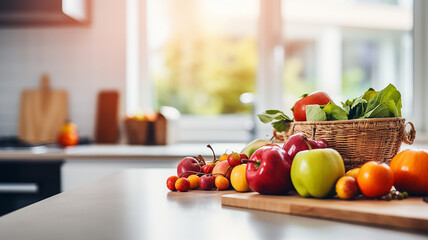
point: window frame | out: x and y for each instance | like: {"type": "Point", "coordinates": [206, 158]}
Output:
{"type": "Point", "coordinates": [139, 93]}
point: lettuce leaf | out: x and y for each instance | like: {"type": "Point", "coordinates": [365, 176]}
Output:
{"type": "Point", "coordinates": [386, 103]}
{"type": "Point", "coordinates": [315, 113]}
{"type": "Point", "coordinates": [280, 124]}
{"type": "Point", "coordinates": [334, 112]}
{"type": "Point", "coordinates": [328, 112]}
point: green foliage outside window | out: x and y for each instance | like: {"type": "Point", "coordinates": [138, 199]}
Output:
{"type": "Point", "coordinates": [206, 75]}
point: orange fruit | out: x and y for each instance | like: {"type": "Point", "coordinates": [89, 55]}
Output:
{"type": "Point", "coordinates": [410, 168]}
{"type": "Point", "coordinates": [194, 181]}
{"type": "Point", "coordinates": [223, 157]}
{"type": "Point", "coordinates": [375, 179]}
{"type": "Point", "coordinates": [182, 184]}
{"type": "Point", "coordinates": [68, 135]}
{"type": "Point", "coordinates": [221, 183]}
{"type": "Point", "coordinates": [66, 139]}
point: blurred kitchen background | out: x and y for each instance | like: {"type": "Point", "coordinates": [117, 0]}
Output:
{"type": "Point", "coordinates": [211, 66]}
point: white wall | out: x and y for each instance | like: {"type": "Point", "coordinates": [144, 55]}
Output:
{"type": "Point", "coordinates": [81, 60]}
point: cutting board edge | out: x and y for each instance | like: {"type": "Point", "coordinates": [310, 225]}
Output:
{"type": "Point", "coordinates": [230, 200]}
{"type": "Point", "coordinates": [351, 216]}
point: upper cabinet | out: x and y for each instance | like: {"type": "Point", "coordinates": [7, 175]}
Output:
{"type": "Point", "coordinates": [27, 13]}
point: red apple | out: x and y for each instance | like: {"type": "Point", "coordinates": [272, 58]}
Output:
{"type": "Point", "coordinates": [193, 164]}
{"type": "Point", "coordinates": [206, 182]}
{"type": "Point", "coordinates": [297, 143]}
{"type": "Point", "coordinates": [243, 156]}
{"type": "Point", "coordinates": [268, 171]}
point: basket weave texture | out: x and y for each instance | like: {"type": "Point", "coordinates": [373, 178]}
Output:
{"type": "Point", "coordinates": [358, 141]}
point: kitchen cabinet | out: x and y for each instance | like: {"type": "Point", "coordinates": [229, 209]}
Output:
{"type": "Point", "coordinates": [135, 204]}
{"type": "Point", "coordinates": [27, 182]}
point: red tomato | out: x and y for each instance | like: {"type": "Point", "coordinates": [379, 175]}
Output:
{"type": "Point", "coordinates": [170, 183]}
{"type": "Point", "coordinates": [299, 108]}
{"type": "Point", "coordinates": [410, 169]}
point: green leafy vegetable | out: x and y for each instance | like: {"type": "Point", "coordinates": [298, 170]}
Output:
{"type": "Point", "coordinates": [334, 112]}
{"type": "Point", "coordinates": [355, 108]}
{"type": "Point", "coordinates": [315, 113]}
{"type": "Point", "coordinates": [328, 112]}
{"type": "Point", "coordinates": [386, 103]}
{"type": "Point", "coordinates": [270, 115]}
{"type": "Point", "coordinates": [369, 94]}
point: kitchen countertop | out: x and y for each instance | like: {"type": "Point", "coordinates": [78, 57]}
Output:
{"type": "Point", "coordinates": [135, 204]}
{"type": "Point", "coordinates": [114, 152]}
{"type": "Point", "coordinates": [131, 152]}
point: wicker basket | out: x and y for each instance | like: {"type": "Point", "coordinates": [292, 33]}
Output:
{"type": "Point", "coordinates": [358, 141]}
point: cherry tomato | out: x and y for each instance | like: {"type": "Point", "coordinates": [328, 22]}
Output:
{"type": "Point", "coordinates": [170, 183]}
{"type": "Point", "coordinates": [299, 108]}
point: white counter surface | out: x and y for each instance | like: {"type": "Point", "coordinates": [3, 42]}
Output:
{"type": "Point", "coordinates": [135, 204]}
{"type": "Point", "coordinates": [114, 152]}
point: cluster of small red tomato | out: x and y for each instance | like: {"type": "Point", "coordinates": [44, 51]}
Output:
{"type": "Point", "coordinates": [206, 180]}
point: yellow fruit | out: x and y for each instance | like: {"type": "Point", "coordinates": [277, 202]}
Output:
{"type": "Point", "coordinates": [194, 181]}
{"type": "Point", "coordinates": [68, 127]}
{"type": "Point", "coordinates": [238, 179]}
{"type": "Point", "coordinates": [353, 172]}
{"type": "Point", "coordinates": [223, 157]}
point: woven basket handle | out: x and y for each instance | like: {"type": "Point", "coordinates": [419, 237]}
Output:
{"type": "Point", "coordinates": [409, 136]}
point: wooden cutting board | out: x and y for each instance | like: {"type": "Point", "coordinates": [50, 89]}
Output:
{"type": "Point", "coordinates": [410, 213]}
{"type": "Point", "coordinates": [107, 118]}
{"type": "Point", "coordinates": [42, 113]}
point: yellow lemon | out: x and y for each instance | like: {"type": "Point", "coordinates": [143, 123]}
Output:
{"type": "Point", "coordinates": [238, 179]}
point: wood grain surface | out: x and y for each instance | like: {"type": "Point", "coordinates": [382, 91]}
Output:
{"type": "Point", "coordinates": [42, 113]}
{"type": "Point", "coordinates": [107, 118]}
{"type": "Point", "coordinates": [410, 213]}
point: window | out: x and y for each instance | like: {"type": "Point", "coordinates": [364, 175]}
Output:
{"type": "Point", "coordinates": [203, 54]}
{"type": "Point", "coordinates": [344, 47]}
{"type": "Point", "coordinates": [219, 63]}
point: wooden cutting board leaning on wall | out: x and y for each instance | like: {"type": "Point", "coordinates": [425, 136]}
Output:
{"type": "Point", "coordinates": [42, 113]}
{"type": "Point", "coordinates": [107, 118]}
